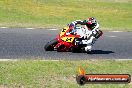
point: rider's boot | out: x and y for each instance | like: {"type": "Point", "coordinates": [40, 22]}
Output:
{"type": "Point", "coordinates": [88, 49]}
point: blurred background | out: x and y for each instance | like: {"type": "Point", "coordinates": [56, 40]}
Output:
{"type": "Point", "coordinates": [111, 14]}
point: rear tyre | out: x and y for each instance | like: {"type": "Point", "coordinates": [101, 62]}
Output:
{"type": "Point", "coordinates": [78, 49]}
{"type": "Point", "coordinates": [50, 45]}
{"type": "Point", "coordinates": [75, 50]}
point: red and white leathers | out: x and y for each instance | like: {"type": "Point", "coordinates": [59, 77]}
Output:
{"type": "Point", "coordinates": [90, 37]}
{"type": "Point", "coordinates": [89, 33]}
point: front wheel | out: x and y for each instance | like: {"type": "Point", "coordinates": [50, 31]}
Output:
{"type": "Point", "coordinates": [50, 45]}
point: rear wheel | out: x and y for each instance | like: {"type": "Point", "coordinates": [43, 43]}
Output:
{"type": "Point", "coordinates": [50, 45]}
{"type": "Point", "coordinates": [78, 49]}
{"type": "Point", "coordinates": [75, 50]}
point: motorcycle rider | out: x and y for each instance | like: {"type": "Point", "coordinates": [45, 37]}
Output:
{"type": "Point", "coordinates": [90, 31]}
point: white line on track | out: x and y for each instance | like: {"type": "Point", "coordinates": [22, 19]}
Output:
{"type": "Point", "coordinates": [48, 60]}
{"type": "Point", "coordinates": [122, 59]}
{"type": "Point", "coordinates": [30, 28]}
{"type": "Point", "coordinates": [3, 27]}
{"type": "Point", "coordinates": [111, 36]}
{"type": "Point", "coordinates": [115, 31]}
{"type": "Point", "coordinates": [52, 60]}
{"type": "Point", "coordinates": [8, 59]}
{"type": "Point", "coordinates": [52, 29]}
{"type": "Point", "coordinates": [24, 59]}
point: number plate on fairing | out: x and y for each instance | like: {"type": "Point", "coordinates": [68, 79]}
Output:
{"type": "Point", "coordinates": [68, 39]}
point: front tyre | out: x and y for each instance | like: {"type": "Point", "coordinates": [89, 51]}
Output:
{"type": "Point", "coordinates": [50, 45]}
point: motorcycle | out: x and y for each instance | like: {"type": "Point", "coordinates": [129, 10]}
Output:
{"type": "Point", "coordinates": [64, 42]}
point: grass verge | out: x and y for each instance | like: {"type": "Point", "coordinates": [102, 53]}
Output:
{"type": "Point", "coordinates": [111, 14]}
{"type": "Point", "coordinates": [58, 74]}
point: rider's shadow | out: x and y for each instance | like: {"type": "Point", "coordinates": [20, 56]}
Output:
{"type": "Point", "coordinates": [101, 52]}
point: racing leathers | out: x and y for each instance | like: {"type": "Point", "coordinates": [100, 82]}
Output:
{"type": "Point", "coordinates": [89, 33]}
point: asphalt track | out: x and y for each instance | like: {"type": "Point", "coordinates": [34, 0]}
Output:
{"type": "Point", "coordinates": [22, 43]}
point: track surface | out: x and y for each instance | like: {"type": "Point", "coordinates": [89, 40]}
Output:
{"type": "Point", "coordinates": [20, 43]}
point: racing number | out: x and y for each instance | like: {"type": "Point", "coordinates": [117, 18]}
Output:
{"type": "Point", "coordinates": [68, 39]}
{"type": "Point", "coordinates": [63, 30]}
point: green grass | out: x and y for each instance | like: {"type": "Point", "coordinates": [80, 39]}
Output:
{"type": "Point", "coordinates": [111, 14]}
{"type": "Point", "coordinates": [58, 74]}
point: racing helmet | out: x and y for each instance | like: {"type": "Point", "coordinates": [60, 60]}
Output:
{"type": "Point", "coordinates": [91, 22]}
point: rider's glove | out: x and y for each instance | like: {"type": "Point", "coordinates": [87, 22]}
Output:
{"type": "Point", "coordinates": [73, 31]}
